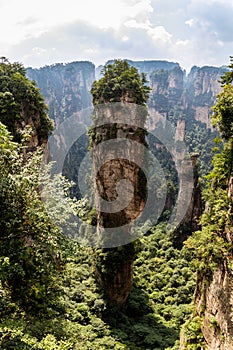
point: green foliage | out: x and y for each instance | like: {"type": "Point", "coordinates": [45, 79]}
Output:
{"type": "Point", "coordinates": [223, 112]}
{"type": "Point", "coordinates": [193, 337]}
{"type": "Point", "coordinates": [80, 317]}
{"type": "Point", "coordinates": [211, 248]}
{"type": "Point", "coordinates": [120, 82]}
{"type": "Point", "coordinates": [161, 296]}
{"type": "Point", "coordinates": [21, 101]}
{"type": "Point", "coordinates": [28, 252]}
{"type": "Point", "coordinates": [166, 277]}
{"type": "Point", "coordinates": [208, 250]}
{"type": "Point", "coordinates": [227, 78]}
{"type": "Point", "coordinates": [223, 108]}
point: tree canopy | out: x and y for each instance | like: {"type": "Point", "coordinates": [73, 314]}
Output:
{"type": "Point", "coordinates": [223, 109]}
{"type": "Point", "coordinates": [21, 100]}
{"type": "Point", "coordinates": [120, 82]}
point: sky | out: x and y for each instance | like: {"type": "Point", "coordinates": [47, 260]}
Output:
{"type": "Point", "coordinates": [44, 32]}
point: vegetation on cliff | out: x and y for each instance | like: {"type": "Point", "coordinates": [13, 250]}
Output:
{"type": "Point", "coordinates": [120, 82]}
{"type": "Point", "coordinates": [49, 297]}
{"type": "Point", "coordinates": [212, 246]}
{"type": "Point", "coordinates": [21, 102]}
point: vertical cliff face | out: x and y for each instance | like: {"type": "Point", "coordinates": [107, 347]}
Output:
{"type": "Point", "coordinates": [214, 294]}
{"type": "Point", "coordinates": [191, 219]}
{"type": "Point", "coordinates": [119, 155]}
{"type": "Point", "coordinates": [120, 182]}
{"type": "Point", "coordinates": [215, 298]}
{"type": "Point", "coordinates": [119, 160]}
{"type": "Point", "coordinates": [202, 87]}
{"type": "Point", "coordinates": [65, 87]}
{"type": "Point", "coordinates": [167, 90]}
{"type": "Point", "coordinates": [66, 90]}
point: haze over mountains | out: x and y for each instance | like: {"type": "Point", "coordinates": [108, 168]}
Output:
{"type": "Point", "coordinates": [66, 87]}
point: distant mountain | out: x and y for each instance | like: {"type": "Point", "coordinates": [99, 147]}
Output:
{"type": "Point", "coordinates": [65, 87]}
{"type": "Point", "coordinates": [175, 96]}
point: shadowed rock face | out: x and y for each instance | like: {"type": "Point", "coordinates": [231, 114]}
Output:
{"type": "Point", "coordinates": [121, 183]}
{"type": "Point", "coordinates": [215, 297]}
{"type": "Point", "coordinates": [107, 180]}
{"type": "Point", "coordinates": [65, 87]}
{"type": "Point", "coordinates": [117, 276]}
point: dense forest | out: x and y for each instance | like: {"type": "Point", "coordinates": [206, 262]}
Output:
{"type": "Point", "coordinates": [152, 293]}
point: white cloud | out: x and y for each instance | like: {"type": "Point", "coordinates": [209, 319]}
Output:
{"type": "Point", "coordinates": [186, 31]}
{"type": "Point", "coordinates": [141, 8]}
{"type": "Point", "coordinates": [125, 38]}
{"type": "Point", "coordinates": [191, 22]}
{"type": "Point", "coordinates": [160, 35]}
{"type": "Point", "coordinates": [132, 23]}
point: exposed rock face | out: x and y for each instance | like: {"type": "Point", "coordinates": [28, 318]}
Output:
{"type": "Point", "coordinates": [190, 221]}
{"type": "Point", "coordinates": [216, 299]}
{"type": "Point", "coordinates": [117, 161]}
{"type": "Point", "coordinates": [66, 90]}
{"type": "Point", "coordinates": [65, 87]}
{"type": "Point", "coordinates": [117, 277]}
{"type": "Point", "coordinates": [202, 87]}
{"type": "Point", "coordinates": [113, 163]}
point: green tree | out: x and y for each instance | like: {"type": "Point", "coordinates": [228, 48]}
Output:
{"type": "Point", "coordinates": [28, 239]}
{"type": "Point", "coordinates": [223, 109]}
{"type": "Point", "coordinates": [223, 112]}
{"type": "Point", "coordinates": [21, 101]}
{"type": "Point", "coordinates": [120, 82]}
{"type": "Point", "coordinates": [211, 247]}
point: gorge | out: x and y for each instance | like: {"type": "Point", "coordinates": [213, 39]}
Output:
{"type": "Point", "coordinates": [171, 288]}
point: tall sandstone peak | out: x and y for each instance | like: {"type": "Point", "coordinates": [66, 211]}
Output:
{"type": "Point", "coordinates": [202, 87]}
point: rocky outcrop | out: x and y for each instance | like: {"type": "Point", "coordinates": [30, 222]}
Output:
{"type": "Point", "coordinates": [65, 87]}
{"type": "Point", "coordinates": [117, 163]}
{"type": "Point", "coordinates": [190, 217]}
{"type": "Point", "coordinates": [202, 88]}
{"type": "Point", "coordinates": [120, 192]}
{"type": "Point", "coordinates": [114, 272]}
{"type": "Point", "coordinates": [215, 297]}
